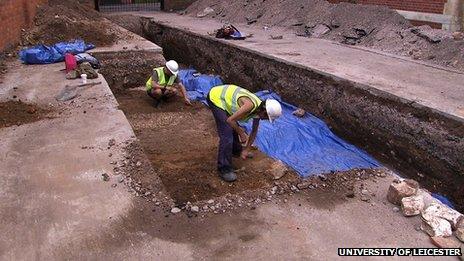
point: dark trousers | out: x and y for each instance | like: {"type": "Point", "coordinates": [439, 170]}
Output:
{"type": "Point", "coordinates": [229, 143]}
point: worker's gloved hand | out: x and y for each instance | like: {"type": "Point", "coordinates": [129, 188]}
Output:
{"type": "Point", "coordinates": [244, 154]}
{"type": "Point", "coordinates": [243, 137]}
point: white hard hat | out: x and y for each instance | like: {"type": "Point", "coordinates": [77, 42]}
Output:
{"type": "Point", "coordinates": [273, 109]}
{"type": "Point", "coordinates": [173, 67]}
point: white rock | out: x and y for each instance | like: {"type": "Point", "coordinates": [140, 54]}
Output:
{"type": "Point", "coordinates": [175, 210]}
{"type": "Point", "coordinates": [273, 190]}
{"type": "Point", "coordinates": [442, 211]}
{"type": "Point", "coordinates": [437, 227]}
{"type": "Point", "coordinates": [210, 201]}
{"type": "Point", "coordinates": [195, 209]}
{"type": "Point", "coordinates": [412, 206]}
{"type": "Point", "coordinates": [427, 198]}
{"type": "Point", "coordinates": [278, 169]}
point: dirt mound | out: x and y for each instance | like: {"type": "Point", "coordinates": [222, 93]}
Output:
{"type": "Point", "coordinates": [372, 26]}
{"type": "Point", "coordinates": [68, 20]}
{"type": "Point", "coordinates": [18, 113]}
{"type": "Point", "coordinates": [308, 13]}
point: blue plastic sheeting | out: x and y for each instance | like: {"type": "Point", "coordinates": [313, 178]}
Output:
{"type": "Point", "coordinates": [43, 54]}
{"type": "Point", "coordinates": [443, 200]}
{"type": "Point", "coordinates": [198, 86]}
{"type": "Point", "coordinates": [305, 144]}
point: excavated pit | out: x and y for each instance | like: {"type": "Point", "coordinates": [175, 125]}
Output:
{"type": "Point", "coordinates": [181, 143]}
{"type": "Point", "coordinates": [418, 142]}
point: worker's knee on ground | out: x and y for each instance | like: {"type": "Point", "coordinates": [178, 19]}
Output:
{"type": "Point", "coordinates": [170, 92]}
{"type": "Point", "coordinates": [156, 93]}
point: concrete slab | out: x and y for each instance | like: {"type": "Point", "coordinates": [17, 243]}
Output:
{"type": "Point", "coordinates": [425, 84]}
{"type": "Point", "coordinates": [40, 84]}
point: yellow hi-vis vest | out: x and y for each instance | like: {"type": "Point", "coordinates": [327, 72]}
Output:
{"type": "Point", "coordinates": [161, 79]}
{"type": "Point", "coordinates": [226, 97]}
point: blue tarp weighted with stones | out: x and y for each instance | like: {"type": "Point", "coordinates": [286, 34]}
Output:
{"type": "Point", "coordinates": [305, 144]}
{"type": "Point", "coordinates": [43, 54]}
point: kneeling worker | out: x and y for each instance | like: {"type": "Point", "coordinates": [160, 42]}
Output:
{"type": "Point", "coordinates": [163, 82]}
{"type": "Point", "coordinates": [229, 104]}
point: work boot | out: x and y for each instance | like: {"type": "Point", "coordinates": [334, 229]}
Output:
{"type": "Point", "coordinates": [236, 155]}
{"type": "Point", "coordinates": [157, 103]}
{"type": "Point", "coordinates": [228, 175]}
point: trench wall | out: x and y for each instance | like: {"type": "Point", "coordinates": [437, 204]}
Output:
{"type": "Point", "coordinates": [129, 69]}
{"type": "Point", "coordinates": [420, 143]}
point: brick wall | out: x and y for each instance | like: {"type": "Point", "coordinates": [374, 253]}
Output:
{"type": "Point", "coordinates": [14, 16]}
{"type": "Point", "coordinates": [425, 6]}
{"type": "Point", "coordinates": [176, 4]}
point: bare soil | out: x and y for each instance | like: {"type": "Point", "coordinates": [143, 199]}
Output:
{"type": "Point", "coordinates": [128, 69]}
{"type": "Point", "coordinates": [181, 143]}
{"type": "Point", "coordinates": [68, 20]}
{"type": "Point", "coordinates": [18, 113]}
{"type": "Point", "coordinates": [130, 22]}
{"type": "Point", "coordinates": [324, 191]}
{"type": "Point", "coordinates": [3, 66]}
{"type": "Point", "coordinates": [376, 27]}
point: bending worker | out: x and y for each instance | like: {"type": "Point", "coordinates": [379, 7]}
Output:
{"type": "Point", "coordinates": [163, 82]}
{"type": "Point", "coordinates": [229, 104]}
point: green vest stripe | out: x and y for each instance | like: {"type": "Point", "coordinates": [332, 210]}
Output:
{"type": "Point", "coordinates": [226, 97]}
{"type": "Point", "coordinates": [234, 100]}
{"type": "Point", "coordinates": [223, 96]}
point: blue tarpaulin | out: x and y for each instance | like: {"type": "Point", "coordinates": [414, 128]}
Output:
{"type": "Point", "coordinates": [305, 144]}
{"type": "Point", "coordinates": [198, 86]}
{"type": "Point", "coordinates": [43, 54]}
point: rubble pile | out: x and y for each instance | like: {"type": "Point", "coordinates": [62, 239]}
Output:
{"type": "Point", "coordinates": [377, 27]}
{"type": "Point", "coordinates": [438, 220]}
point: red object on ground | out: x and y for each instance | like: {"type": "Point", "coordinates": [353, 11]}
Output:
{"type": "Point", "coordinates": [70, 62]}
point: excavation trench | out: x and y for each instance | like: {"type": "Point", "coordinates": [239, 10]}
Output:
{"type": "Point", "coordinates": [181, 142]}
{"type": "Point", "coordinates": [418, 142]}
